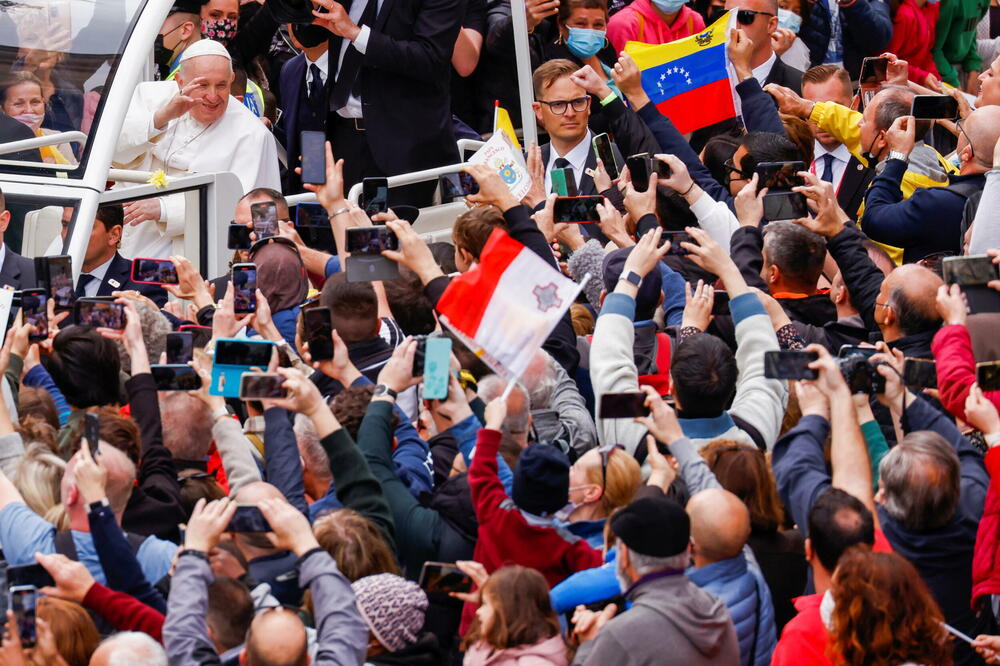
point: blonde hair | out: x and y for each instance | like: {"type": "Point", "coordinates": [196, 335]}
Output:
{"type": "Point", "coordinates": [624, 477]}
{"type": "Point", "coordinates": [38, 479]}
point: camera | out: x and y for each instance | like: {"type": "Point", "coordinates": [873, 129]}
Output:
{"type": "Point", "coordinates": [860, 374]}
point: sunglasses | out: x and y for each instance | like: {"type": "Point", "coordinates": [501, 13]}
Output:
{"type": "Point", "coordinates": [748, 16]}
{"type": "Point", "coordinates": [732, 173]}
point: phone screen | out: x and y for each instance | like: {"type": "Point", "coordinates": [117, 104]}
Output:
{"type": "Point", "coordinates": [34, 307]}
{"type": "Point", "coordinates": [676, 238]}
{"type": "Point", "coordinates": [976, 269]}
{"type": "Point", "coordinates": [313, 148]}
{"type": "Point", "coordinates": [262, 386]}
{"type": "Point", "coordinates": [874, 71]}
{"type": "Point", "coordinates": [248, 519]}
{"type": "Point", "coordinates": [104, 314]}
{"type": "Point", "coordinates": [29, 574]}
{"type": "Point", "coordinates": [265, 219]}
{"type": "Point", "coordinates": [441, 578]}
{"type": "Point", "coordinates": [785, 206]}
{"type": "Point", "coordinates": [371, 240]}
{"type": "Point", "coordinates": [154, 271]}
{"type": "Point", "coordinates": [934, 107]}
{"type": "Point", "coordinates": [852, 350]}
{"type": "Point", "coordinates": [789, 365]}
{"type": "Point", "coordinates": [175, 377]}
{"type": "Point", "coordinates": [622, 405]}
{"type": "Point", "coordinates": [180, 347]}
{"type": "Point", "coordinates": [245, 288]}
{"type": "Point", "coordinates": [311, 215]}
{"type": "Point", "coordinates": [92, 433]}
{"type": "Point", "coordinates": [638, 171]}
{"type": "Point", "coordinates": [22, 600]}
{"type": "Point", "coordinates": [375, 193]}
{"type": "Point", "coordinates": [988, 375]}
{"type": "Point", "coordinates": [200, 334]}
{"type": "Point", "coordinates": [318, 326]}
{"type": "Point", "coordinates": [61, 290]}
{"type": "Point", "coordinates": [243, 352]}
{"type": "Point", "coordinates": [602, 146]}
{"type": "Point", "coordinates": [576, 209]}
{"type": "Point", "coordinates": [239, 237]}
{"type": "Point", "coordinates": [779, 175]}
{"type": "Point", "coordinates": [437, 367]}
{"type": "Point", "coordinates": [418, 355]}
{"type": "Point", "coordinates": [920, 373]}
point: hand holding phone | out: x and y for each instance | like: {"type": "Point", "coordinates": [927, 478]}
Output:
{"type": "Point", "coordinates": [312, 145]}
{"type": "Point", "coordinates": [154, 271]}
{"type": "Point", "coordinates": [265, 219]}
{"type": "Point", "coordinates": [622, 405]}
{"type": "Point", "coordinates": [576, 209]}
{"type": "Point", "coordinates": [244, 279]}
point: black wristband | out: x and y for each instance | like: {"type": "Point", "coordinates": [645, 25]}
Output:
{"type": "Point", "coordinates": [194, 553]}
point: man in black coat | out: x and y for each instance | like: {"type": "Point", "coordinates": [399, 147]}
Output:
{"type": "Point", "coordinates": [16, 272]}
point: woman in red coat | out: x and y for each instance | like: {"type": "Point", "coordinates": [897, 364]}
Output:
{"type": "Point", "coordinates": [913, 31]}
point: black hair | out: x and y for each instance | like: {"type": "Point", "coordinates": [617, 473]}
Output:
{"type": "Point", "coordinates": [85, 366]}
{"type": "Point", "coordinates": [704, 375]}
{"type": "Point", "coordinates": [410, 307]}
{"type": "Point", "coordinates": [767, 147]}
{"type": "Point", "coordinates": [717, 151]}
{"type": "Point", "coordinates": [444, 256]}
{"type": "Point", "coordinates": [230, 611]}
{"type": "Point", "coordinates": [798, 252]}
{"type": "Point", "coordinates": [111, 215]}
{"type": "Point", "coordinates": [837, 521]}
{"type": "Point", "coordinates": [353, 308]}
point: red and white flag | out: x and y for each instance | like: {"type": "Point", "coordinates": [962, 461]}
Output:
{"type": "Point", "coordinates": [505, 307]}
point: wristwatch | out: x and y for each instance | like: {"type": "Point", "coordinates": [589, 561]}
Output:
{"type": "Point", "coordinates": [896, 155]}
{"type": "Point", "coordinates": [632, 277]}
{"type": "Point", "coordinates": [382, 389]}
{"type": "Point", "coordinates": [94, 506]}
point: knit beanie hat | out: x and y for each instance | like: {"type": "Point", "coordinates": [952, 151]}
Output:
{"type": "Point", "coordinates": [541, 480]}
{"type": "Point", "coordinates": [393, 608]}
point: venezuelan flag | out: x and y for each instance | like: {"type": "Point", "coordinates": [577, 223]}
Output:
{"type": "Point", "coordinates": [687, 79]}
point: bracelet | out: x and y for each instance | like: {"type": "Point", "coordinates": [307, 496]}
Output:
{"type": "Point", "coordinates": [340, 211]}
{"type": "Point", "coordinates": [688, 190]}
{"type": "Point", "coordinates": [219, 413]}
{"type": "Point", "coordinates": [992, 439]}
{"type": "Point", "coordinates": [610, 98]}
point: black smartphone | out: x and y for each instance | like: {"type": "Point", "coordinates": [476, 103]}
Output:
{"type": "Point", "coordinates": [934, 107]}
{"type": "Point", "coordinates": [239, 237]}
{"type": "Point", "coordinates": [790, 365]}
{"type": "Point", "coordinates": [92, 433]}
{"type": "Point", "coordinates": [852, 350]}
{"type": "Point", "coordinates": [244, 288]}
{"type": "Point", "coordinates": [200, 334]}
{"type": "Point", "coordinates": [21, 600]}
{"type": "Point", "coordinates": [262, 386]}
{"type": "Point", "coordinates": [375, 195]}
{"type": "Point", "coordinates": [638, 171]}
{"type": "Point", "coordinates": [622, 405]}
{"type": "Point", "coordinates": [779, 175]}
{"type": "Point", "coordinates": [663, 169]}
{"type": "Point", "coordinates": [920, 373]}
{"type": "Point", "coordinates": [317, 325]}
{"type": "Point", "coordinates": [720, 302]}
{"type": "Point", "coordinates": [265, 219]}
{"type": "Point", "coordinates": [154, 271]}
{"type": "Point", "coordinates": [602, 146]}
{"type": "Point", "coordinates": [175, 377]}
{"type": "Point", "coordinates": [247, 353]}
{"type": "Point", "coordinates": [312, 145]}
{"type": "Point", "coordinates": [971, 270]}
{"type": "Point", "coordinates": [248, 519]}
{"type": "Point", "coordinates": [312, 223]}
{"type": "Point", "coordinates": [34, 307]}
{"type": "Point", "coordinates": [55, 275]}
{"type": "Point", "coordinates": [99, 313]}
{"type": "Point", "coordinates": [442, 578]}
{"type": "Point", "coordinates": [988, 375]}
{"type": "Point", "coordinates": [576, 209]}
{"type": "Point", "coordinates": [874, 71]}
{"type": "Point", "coordinates": [29, 574]}
{"type": "Point", "coordinates": [419, 355]}
{"type": "Point", "coordinates": [371, 240]}
{"type": "Point", "coordinates": [676, 238]}
{"type": "Point", "coordinates": [180, 347]}
{"type": "Point", "coordinates": [785, 206]}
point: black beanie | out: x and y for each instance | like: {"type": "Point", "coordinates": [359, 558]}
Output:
{"type": "Point", "coordinates": [541, 480]}
{"type": "Point", "coordinates": [654, 526]}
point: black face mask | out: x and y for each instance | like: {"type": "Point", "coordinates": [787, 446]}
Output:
{"type": "Point", "coordinates": [162, 55]}
{"type": "Point", "coordinates": [310, 35]}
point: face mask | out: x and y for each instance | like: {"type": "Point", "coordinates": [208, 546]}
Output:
{"type": "Point", "coordinates": [221, 30]}
{"type": "Point", "coordinates": [789, 20]}
{"type": "Point", "coordinates": [668, 6]}
{"type": "Point", "coordinates": [868, 153]}
{"type": "Point", "coordinates": [32, 120]}
{"type": "Point", "coordinates": [563, 514]}
{"type": "Point", "coordinates": [585, 43]}
{"type": "Point", "coordinates": [310, 35]}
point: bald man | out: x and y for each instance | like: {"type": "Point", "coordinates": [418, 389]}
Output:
{"type": "Point", "coordinates": [260, 646]}
{"type": "Point", "coordinates": [905, 310]}
{"type": "Point", "coordinates": [720, 527]}
{"type": "Point", "coordinates": [930, 220]}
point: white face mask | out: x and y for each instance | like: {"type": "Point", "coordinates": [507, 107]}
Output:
{"type": "Point", "coordinates": [826, 610]}
{"type": "Point", "coordinates": [32, 120]}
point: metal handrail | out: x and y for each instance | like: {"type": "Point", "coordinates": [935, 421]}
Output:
{"type": "Point", "coordinates": [41, 142]}
{"type": "Point", "coordinates": [409, 178]}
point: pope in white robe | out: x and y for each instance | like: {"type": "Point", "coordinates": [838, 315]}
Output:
{"type": "Point", "coordinates": [189, 125]}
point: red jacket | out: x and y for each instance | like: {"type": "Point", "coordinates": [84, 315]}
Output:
{"type": "Point", "coordinates": [804, 640]}
{"type": "Point", "coordinates": [986, 557]}
{"type": "Point", "coordinates": [124, 612]}
{"type": "Point", "coordinates": [505, 537]}
{"type": "Point", "coordinates": [913, 34]}
{"type": "Point", "coordinates": [956, 368]}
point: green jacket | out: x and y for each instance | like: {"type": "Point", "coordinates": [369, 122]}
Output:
{"type": "Point", "coordinates": [955, 44]}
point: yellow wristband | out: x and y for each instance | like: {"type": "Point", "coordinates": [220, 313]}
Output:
{"type": "Point", "coordinates": [610, 98]}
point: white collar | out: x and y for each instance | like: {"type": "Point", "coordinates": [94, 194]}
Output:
{"type": "Point", "coordinates": [840, 152]}
{"type": "Point", "coordinates": [323, 62]}
{"type": "Point", "coordinates": [577, 156]}
{"type": "Point", "coordinates": [762, 71]}
{"type": "Point", "coordinates": [101, 270]}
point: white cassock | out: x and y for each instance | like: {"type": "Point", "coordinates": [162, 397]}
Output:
{"type": "Point", "coordinates": [237, 142]}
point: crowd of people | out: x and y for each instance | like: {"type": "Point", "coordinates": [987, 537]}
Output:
{"type": "Point", "coordinates": [735, 516]}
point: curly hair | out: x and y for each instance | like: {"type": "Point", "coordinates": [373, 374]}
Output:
{"type": "Point", "coordinates": [884, 613]}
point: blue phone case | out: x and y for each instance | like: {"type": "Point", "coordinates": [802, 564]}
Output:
{"type": "Point", "coordinates": [437, 363]}
{"type": "Point", "coordinates": [226, 378]}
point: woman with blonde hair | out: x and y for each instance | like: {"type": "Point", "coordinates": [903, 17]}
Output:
{"type": "Point", "coordinates": [599, 482]}
{"type": "Point", "coordinates": [38, 479]}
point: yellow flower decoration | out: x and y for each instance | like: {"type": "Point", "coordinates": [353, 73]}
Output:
{"type": "Point", "coordinates": [158, 179]}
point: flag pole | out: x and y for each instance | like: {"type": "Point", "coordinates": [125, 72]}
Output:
{"type": "Point", "coordinates": [522, 56]}
{"type": "Point", "coordinates": [510, 387]}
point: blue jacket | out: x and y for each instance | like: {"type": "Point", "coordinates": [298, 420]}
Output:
{"type": "Point", "coordinates": [929, 221]}
{"type": "Point", "coordinates": [588, 586]}
{"type": "Point", "coordinates": [746, 595]}
{"type": "Point", "coordinates": [800, 471]}
{"type": "Point", "coordinates": [866, 29]}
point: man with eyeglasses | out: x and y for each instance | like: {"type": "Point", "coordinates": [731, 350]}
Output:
{"type": "Point", "coordinates": [758, 19]}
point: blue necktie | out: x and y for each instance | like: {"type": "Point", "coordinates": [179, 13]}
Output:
{"type": "Point", "coordinates": [81, 284]}
{"type": "Point", "coordinates": [315, 86]}
{"type": "Point", "coordinates": [828, 167]}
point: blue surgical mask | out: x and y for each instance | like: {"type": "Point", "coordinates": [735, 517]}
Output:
{"type": "Point", "coordinates": [789, 20]}
{"type": "Point", "coordinates": [668, 6]}
{"type": "Point", "coordinates": [585, 43]}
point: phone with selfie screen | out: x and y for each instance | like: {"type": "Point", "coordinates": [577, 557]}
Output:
{"type": "Point", "coordinates": [244, 288]}
{"type": "Point", "coordinates": [55, 276]}
{"type": "Point", "coordinates": [34, 308]}
{"type": "Point", "coordinates": [265, 219]}
{"type": "Point", "coordinates": [576, 209]}
{"type": "Point", "coordinates": [21, 600]}
{"type": "Point", "coordinates": [92, 433]}
{"type": "Point", "coordinates": [175, 377]}
{"type": "Point", "coordinates": [154, 271]}
{"type": "Point", "coordinates": [920, 373]}
{"type": "Point", "coordinates": [200, 335]}
{"type": "Point", "coordinates": [934, 107]}
{"type": "Point", "coordinates": [606, 153]}
{"type": "Point", "coordinates": [970, 270]}
{"type": "Point", "coordinates": [779, 175]}
{"type": "Point", "coordinates": [262, 386]}
{"type": "Point", "coordinates": [639, 168]}
{"type": "Point", "coordinates": [790, 365]}
{"type": "Point", "coordinates": [375, 195]}
{"type": "Point", "coordinates": [313, 149]}
{"type": "Point", "coordinates": [436, 367]}
{"type": "Point", "coordinates": [366, 263]}
{"type": "Point", "coordinates": [622, 405]}
{"type": "Point", "coordinates": [248, 519]}
{"type": "Point", "coordinates": [99, 313]}
{"type": "Point", "coordinates": [238, 237]}
{"type": "Point", "coordinates": [785, 206]}
{"type": "Point", "coordinates": [442, 578]}
{"type": "Point", "coordinates": [317, 324]}
{"type": "Point", "coordinates": [988, 375]}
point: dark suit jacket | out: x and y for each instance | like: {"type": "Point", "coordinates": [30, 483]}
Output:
{"type": "Point", "coordinates": [17, 272]}
{"type": "Point", "coordinates": [291, 82]}
{"type": "Point", "coordinates": [587, 187]}
{"type": "Point", "coordinates": [119, 278]}
{"type": "Point", "coordinates": [405, 82]}
{"type": "Point", "coordinates": [785, 75]}
{"type": "Point", "coordinates": [854, 186]}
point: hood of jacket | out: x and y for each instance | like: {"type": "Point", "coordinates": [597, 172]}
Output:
{"type": "Point", "coordinates": [699, 616]}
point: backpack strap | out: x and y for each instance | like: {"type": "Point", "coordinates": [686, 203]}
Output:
{"type": "Point", "coordinates": [135, 541]}
{"type": "Point", "coordinates": [64, 544]}
{"type": "Point", "coordinates": [749, 429]}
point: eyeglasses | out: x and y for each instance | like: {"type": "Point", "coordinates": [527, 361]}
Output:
{"type": "Point", "coordinates": [559, 106]}
{"type": "Point", "coordinates": [731, 169]}
{"type": "Point", "coordinates": [748, 16]}
{"type": "Point", "coordinates": [605, 456]}
{"type": "Point", "coordinates": [958, 124]}
{"type": "Point", "coordinates": [882, 305]}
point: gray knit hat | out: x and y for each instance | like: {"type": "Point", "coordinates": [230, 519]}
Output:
{"type": "Point", "coordinates": [393, 608]}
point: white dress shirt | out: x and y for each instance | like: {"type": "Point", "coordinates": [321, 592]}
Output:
{"type": "Point", "coordinates": [577, 158]}
{"type": "Point", "coordinates": [3, 255]}
{"type": "Point", "coordinates": [841, 155]}
{"type": "Point", "coordinates": [92, 287]}
{"type": "Point", "coordinates": [352, 108]}
{"type": "Point", "coordinates": [323, 64]}
{"type": "Point", "coordinates": [762, 71]}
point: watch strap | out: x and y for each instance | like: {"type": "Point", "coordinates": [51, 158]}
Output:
{"type": "Point", "coordinates": [382, 389]}
{"type": "Point", "coordinates": [896, 155]}
{"type": "Point", "coordinates": [631, 277]}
